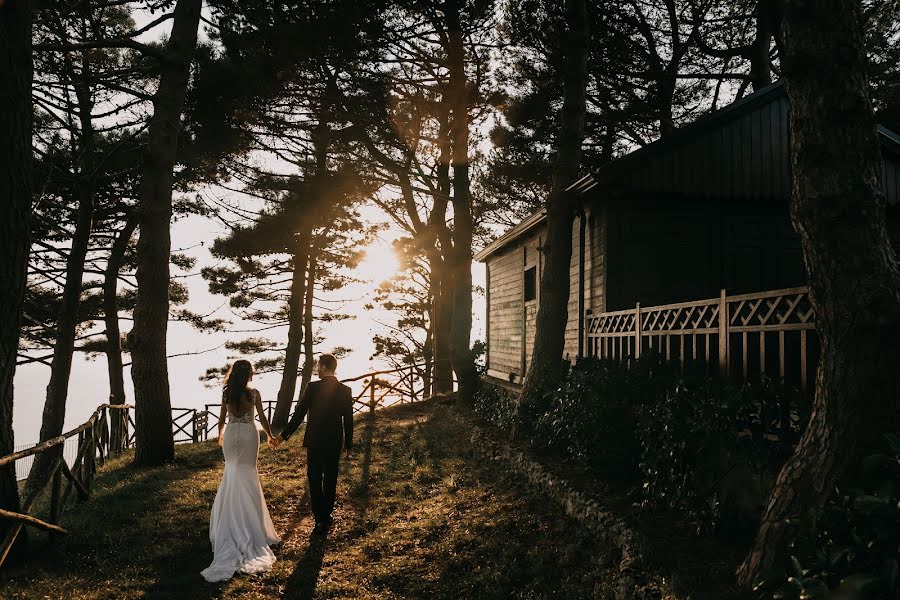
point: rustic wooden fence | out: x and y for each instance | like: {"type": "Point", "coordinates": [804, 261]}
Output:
{"type": "Point", "coordinates": [93, 448]}
{"type": "Point", "coordinates": [740, 337]}
{"type": "Point", "coordinates": [96, 443]}
{"type": "Point", "coordinates": [380, 389]}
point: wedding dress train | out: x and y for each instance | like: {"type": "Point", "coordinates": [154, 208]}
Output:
{"type": "Point", "coordinates": [240, 528]}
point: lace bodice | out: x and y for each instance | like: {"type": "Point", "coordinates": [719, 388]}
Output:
{"type": "Point", "coordinates": [250, 417]}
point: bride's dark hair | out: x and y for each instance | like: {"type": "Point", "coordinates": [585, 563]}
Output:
{"type": "Point", "coordinates": [236, 383]}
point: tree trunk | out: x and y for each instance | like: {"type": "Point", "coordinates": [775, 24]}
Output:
{"type": "Point", "coordinates": [441, 325]}
{"type": "Point", "coordinates": [149, 367]}
{"type": "Point", "coordinates": [545, 369]}
{"type": "Point", "coordinates": [309, 358]}
{"type": "Point", "coordinates": [460, 255]}
{"type": "Point", "coordinates": [116, 372]}
{"type": "Point", "coordinates": [427, 359]}
{"type": "Point", "coordinates": [321, 140]}
{"type": "Point", "coordinates": [760, 63]}
{"type": "Point", "coordinates": [665, 98]}
{"type": "Point", "coordinates": [439, 279]}
{"type": "Point", "coordinates": [295, 333]}
{"type": "Point", "coordinates": [15, 215]}
{"type": "Point", "coordinates": [838, 210]}
{"type": "Point", "coordinates": [54, 415]}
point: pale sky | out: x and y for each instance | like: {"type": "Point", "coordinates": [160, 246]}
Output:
{"type": "Point", "coordinates": [89, 387]}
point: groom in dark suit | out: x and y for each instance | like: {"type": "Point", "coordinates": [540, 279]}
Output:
{"type": "Point", "coordinates": [329, 428]}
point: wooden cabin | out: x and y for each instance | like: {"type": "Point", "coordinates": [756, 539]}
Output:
{"type": "Point", "coordinates": [682, 219]}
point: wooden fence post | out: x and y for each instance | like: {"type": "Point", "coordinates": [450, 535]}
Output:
{"type": "Point", "coordinates": [724, 361]}
{"type": "Point", "coordinates": [412, 382]}
{"type": "Point", "coordinates": [90, 459]}
{"type": "Point", "coordinates": [55, 490]}
{"type": "Point", "coordinates": [372, 395]}
{"type": "Point", "coordinates": [104, 436]}
{"type": "Point", "coordinates": [126, 419]}
{"type": "Point", "coordinates": [194, 437]}
{"type": "Point", "coordinates": [637, 330]}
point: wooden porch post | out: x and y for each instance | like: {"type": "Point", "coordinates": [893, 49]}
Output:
{"type": "Point", "coordinates": [581, 282]}
{"type": "Point", "coordinates": [524, 350]}
{"type": "Point", "coordinates": [487, 317]}
{"type": "Point", "coordinates": [637, 330]}
{"type": "Point", "coordinates": [723, 335]}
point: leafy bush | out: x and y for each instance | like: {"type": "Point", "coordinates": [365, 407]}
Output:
{"type": "Point", "coordinates": [591, 420]}
{"type": "Point", "coordinates": [704, 450]}
{"type": "Point", "coordinates": [496, 405]}
{"type": "Point", "coordinates": [692, 443]}
{"type": "Point", "coordinates": [850, 549]}
{"type": "Point", "coordinates": [681, 437]}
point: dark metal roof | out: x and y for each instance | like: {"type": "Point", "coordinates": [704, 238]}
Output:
{"type": "Point", "coordinates": [696, 129]}
{"type": "Point", "coordinates": [739, 152]}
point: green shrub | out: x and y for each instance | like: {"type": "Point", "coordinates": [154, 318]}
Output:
{"type": "Point", "coordinates": [850, 549]}
{"type": "Point", "coordinates": [590, 420]}
{"type": "Point", "coordinates": [691, 443]}
{"type": "Point", "coordinates": [705, 450]}
{"type": "Point", "coordinates": [496, 405]}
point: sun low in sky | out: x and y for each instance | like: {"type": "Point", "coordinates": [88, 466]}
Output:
{"type": "Point", "coordinates": [379, 263]}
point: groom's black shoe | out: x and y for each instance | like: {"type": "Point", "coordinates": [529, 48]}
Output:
{"type": "Point", "coordinates": [321, 527]}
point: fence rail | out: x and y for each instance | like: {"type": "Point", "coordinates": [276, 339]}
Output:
{"type": "Point", "coordinates": [111, 428]}
{"type": "Point", "coordinates": [93, 444]}
{"type": "Point", "coordinates": [743, 336]}
{"type": "Point", "coordinates": [380, 390]}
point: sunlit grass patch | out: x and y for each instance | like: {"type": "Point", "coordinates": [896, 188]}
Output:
{"type": "Point", "coordinates": [419, 516]}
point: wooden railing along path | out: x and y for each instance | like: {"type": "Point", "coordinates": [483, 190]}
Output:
{"type": "Point", "coordinates": [96, 444]}
{"type": "Point", "coordinates": [381, 389]}
{"type": "Point", "coordinates": [742, 337]}
{"type": "Point", "coordinates": [93, 445]}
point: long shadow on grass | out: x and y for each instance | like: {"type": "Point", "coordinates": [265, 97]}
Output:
{"type": "Point", "coordinates": [301, 511]}
{"type": "Point", "coordinates": [435, 444]}
{"type": "Point", "coordinates": [368, 435]}
{"type": "Point", "coordinates": [129, 527]}
{"type": "Point", "coordinates": [302, 582]}
{"type": "Point", "coordinates": [360, 491]}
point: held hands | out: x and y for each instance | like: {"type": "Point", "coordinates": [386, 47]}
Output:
{"type": "Point", "coordinates": [274, 442]}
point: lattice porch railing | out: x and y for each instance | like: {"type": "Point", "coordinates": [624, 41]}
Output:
{"type": "Point", "coordinates": [744, 335]}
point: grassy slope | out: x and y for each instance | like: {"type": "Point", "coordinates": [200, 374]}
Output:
{"type": "Point", "coordinates": [420, 516]}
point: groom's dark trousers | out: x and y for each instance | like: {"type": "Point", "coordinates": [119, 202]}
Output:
{"type": "Point", "coordinates": [322, 471]}
{"type": "Point", "coordinates": [329, 428]}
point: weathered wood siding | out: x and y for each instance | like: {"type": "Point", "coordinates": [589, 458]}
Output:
{"type": "Point", "coordinates": [533, 258]}
{"type": "Point", "coordinates": [511, 319]}
{"type": "Point", "coordinates": [661, 253]}
{"type": "Point", "coordinates": [740, 153]}
{"type": "Point", "coordinates": [595, 270]}
{"type": "Point", "coordinates": [505, 311]}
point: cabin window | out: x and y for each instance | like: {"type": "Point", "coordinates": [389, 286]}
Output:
{"type": "Point", "coordinates": [530, 284]}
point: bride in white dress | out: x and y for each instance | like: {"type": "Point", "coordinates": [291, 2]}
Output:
{"type": "Point", "coordinates": [240, 528]}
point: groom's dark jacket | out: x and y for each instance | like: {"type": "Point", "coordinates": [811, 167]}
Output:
{"type": "Point", "coordinates": [329, 404]}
